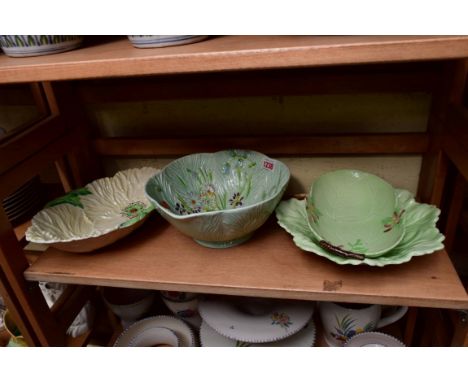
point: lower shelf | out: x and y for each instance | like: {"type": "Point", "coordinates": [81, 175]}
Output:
{"type": "Point", "coordinates": [157, 256]}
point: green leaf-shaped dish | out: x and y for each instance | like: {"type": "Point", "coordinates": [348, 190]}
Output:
{"type": "Point", "coordinates": [421, 235]}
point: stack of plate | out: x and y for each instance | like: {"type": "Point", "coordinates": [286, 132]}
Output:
{"type": "Point", "coordinates": [255, 322]}
{"type": "Point", "coordinates": [353, 217]}
{"type": "Point", "coordinates": [24, 202]}
{"type": "Point", "coordinates": [157, 331]}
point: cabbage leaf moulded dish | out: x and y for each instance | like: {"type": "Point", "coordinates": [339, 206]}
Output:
{"type": "Point", "coordinates": [96, 215]}
{"type": "Point", "coordinates": [421, 235]}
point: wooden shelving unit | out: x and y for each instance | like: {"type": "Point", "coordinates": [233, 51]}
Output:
{"type": "Point", "coordinates": [270, 265]}
{"type": "Point", "coordinates": [118, 58]}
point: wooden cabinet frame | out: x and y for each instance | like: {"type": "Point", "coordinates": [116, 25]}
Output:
{"type": "Point", "coordinates": [246, 66]}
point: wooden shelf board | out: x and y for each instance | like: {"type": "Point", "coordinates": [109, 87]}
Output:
{"type": "Point", "coordinates": [119, 58]}
{"type": "Point", "coordinates": [157, 256]}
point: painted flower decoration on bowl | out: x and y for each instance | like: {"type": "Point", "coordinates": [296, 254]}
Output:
{"type": "Point", "coordinates": [219, 199]}
{"type": "Point", "coordinates": [96, 215]}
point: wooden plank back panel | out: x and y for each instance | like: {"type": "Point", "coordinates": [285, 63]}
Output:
{"type": "Point", "coordinates": [405, 143]}
{"type": "Point", "coordinates": [349, 80]}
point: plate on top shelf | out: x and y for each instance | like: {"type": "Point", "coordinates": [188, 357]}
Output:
{"type": "Point", "coordinates": [160, 41]}
{"type": "Point", "coordinates": [176, 325]}
{"type": "Point", "coordinates": [255, 320]}
{"type": "Point", "coordinates": [421, 235]}
{"type": "Point", "coordinates": [96, 215]}
{"type": "Point", "coordinates": [304, 338]}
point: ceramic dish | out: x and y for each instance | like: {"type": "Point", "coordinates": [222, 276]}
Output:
{"type": "Point", "coordinates": [128, 304]}
{"type": "Point", "coordinates": [179, 327]}
{"type": "Point", "coordinates": [38, 45]}
{"type": "Point", "coordinates": [232, 319]}
{"type": "Point", "coordinates": [159, 41]}
{"type": "Point", "coordinates": [304, 338]}
{"type": "Point", "coordinates": [96, 215]}
{"type": "Point", "coordinates": [354, 211]}
{"type": "Point", "coordinates": [219, 199]}
{"type": "Point", "coordinates": [373, 339]}
{"type": "Point", "coordinates": [421, 235]}
{"type": "Point", "coordinates": [155, 337]}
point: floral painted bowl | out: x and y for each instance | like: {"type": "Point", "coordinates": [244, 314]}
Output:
{"type": "Point", "coordinates": [219, 199]}
{"type": "Point", "coordinates": [421, 235]}
{"type": "Point", "coordinates": [354, 211]}
{"type": "Point", "coordinates": [96, 215]}
{"type": "Point", "coordinates": [38, 45]}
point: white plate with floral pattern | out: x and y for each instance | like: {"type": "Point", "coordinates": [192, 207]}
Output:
{"type": "Point", "coordinates": [255, 320]}
{"type": "Point", "coordinates": [304, 338]}
{"type": "Point", "coordinates": [96, 215]}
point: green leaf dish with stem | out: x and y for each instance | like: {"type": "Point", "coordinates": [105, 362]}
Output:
{"type": "Point", "coordinates": [421, 235]}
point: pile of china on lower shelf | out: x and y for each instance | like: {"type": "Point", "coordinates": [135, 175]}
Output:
{"type": "Point", "coordinates": [191, 319]}
{"type": "Point", "coordinates": [238, 321]}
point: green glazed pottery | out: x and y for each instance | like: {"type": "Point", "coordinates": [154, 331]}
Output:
{"type": "Point", "coordinates": [354, 212]}
{"type": "Point", "coordinates": [420, 237]}
{"type": "Point", "coordinates": [96, 215]}
{"type": "Point", "coordinates": [219, 199]}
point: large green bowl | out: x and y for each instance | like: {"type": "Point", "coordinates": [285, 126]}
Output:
{"type": "Point", "coordinates": [354, 211]}
{"type": "Point", "coordinates": [219, 199]}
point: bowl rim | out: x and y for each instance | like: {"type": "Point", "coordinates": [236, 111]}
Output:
{"type": "Point", "coordinates": [211, 213]}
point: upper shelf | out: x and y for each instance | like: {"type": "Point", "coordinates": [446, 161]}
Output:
{"type": "Point", "coordinates": [120, 58]}
{"type": "Point", "coordinates": [158, 256]}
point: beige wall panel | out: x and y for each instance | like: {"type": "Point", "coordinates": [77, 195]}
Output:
{"type": "Point", "coordinates": [402, 171]}
{"type": "Point", "coordinates": [337, 113]}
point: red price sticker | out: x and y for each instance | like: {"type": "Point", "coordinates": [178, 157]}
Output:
{"type": "Point", "coordinates": [268, 165]}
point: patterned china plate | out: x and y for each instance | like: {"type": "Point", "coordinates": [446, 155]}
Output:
{"type": "Point", "coordinates": [179, 327]}
{"type": "Point", "coordinates": [373, 339]}
{"type": "Point", "coordinates": [96, 215]}
{"type": "Point", "coordinates": [280, 320]}
{"type": "Point", "coordinates": [421, 235]}
{"type": "Point", "coordinates": [304, 338]}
